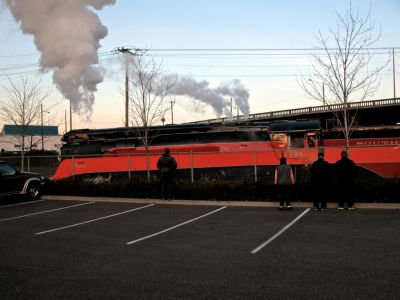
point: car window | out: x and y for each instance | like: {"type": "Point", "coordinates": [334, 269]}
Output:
{"type": "Point", "coordinates": [6, 170]}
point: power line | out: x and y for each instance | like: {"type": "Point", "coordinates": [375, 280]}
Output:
{"type": "Point", "coordinates": [19, 73]}
{"type": "Point", "coordinates": [19, 55]}
{"type": "Point", "coordinates": [18, 66]}
{"type": "Point", "coordinates": [201, 53]}
{"type": "Point", "coordinates": [179, 50]}
{"type": "Point", "coordinates": [250, 49]}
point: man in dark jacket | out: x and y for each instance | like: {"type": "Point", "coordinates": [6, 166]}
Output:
{"type": "Point", "coordinates": [167, 166]}
{"type": "Point", "coordinates": [321, 175]}
{"type": "Point", "coordinates": [345, 171]}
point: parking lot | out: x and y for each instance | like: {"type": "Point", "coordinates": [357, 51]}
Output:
{"type": "Point", "coordinates": [92, 250]}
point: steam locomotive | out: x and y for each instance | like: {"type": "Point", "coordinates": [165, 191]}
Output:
{"type": "Point", "coordinates": [219, 151]}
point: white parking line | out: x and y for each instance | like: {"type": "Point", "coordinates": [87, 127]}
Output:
{"type": "Point", "coordinates": [255, 250]}
{"type": "Point", "coordinates": [22, 203]}
{"type": "Point", "coordinates": [45, 211]}
{"type": "Point", "coordinates": [176, 226]}
{"type": "Point", "coordinates": [93, 220]}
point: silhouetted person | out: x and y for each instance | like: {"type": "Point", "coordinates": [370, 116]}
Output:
{"type": "Point", "coordinates": [321, 176]}
{"type": "Point", "coordinates": [284, 179]}
{"type": "Point", "coordinates": [167, 166]}
{"type": "Point", "coordinates": [345, 171]}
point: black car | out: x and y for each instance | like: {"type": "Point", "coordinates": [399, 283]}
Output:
{"type": "Point", "coordinates": [14, 182]}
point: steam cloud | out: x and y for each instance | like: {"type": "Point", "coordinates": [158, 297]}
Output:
{"type": "Point", "coordinates": [67, 33]}
{"type": "Point", "coordinates": [201, 91]}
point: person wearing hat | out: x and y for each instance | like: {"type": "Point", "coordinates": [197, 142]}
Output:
{"type": "Point", "coordinates": [167, 166]}
{"type": "Point", "coordinates": [321, 176]}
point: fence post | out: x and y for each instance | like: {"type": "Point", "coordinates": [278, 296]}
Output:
{"type": "Point", "coordinates": [255, 165]}
{"type": "Point", "coordinates": [73, 168]}
{"type": "Point", "coordinates": [29, 164]}
{"type": "Point", "coordinates": [191, 167]}
{"type": "Point", "coordinates": [129, 167]}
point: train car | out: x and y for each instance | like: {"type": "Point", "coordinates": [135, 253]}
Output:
{"type": "Point", "coordinates": [218, 152]}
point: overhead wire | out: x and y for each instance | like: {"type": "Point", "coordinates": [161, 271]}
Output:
{"type": "Point", "coordinates": [206, 53]}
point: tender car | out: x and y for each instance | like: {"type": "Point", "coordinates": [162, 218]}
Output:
{"type": "Point", "coordinates": [14, 182]}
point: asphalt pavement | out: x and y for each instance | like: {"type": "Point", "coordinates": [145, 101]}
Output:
{"type": "Point", "coordinates": [91, 248]}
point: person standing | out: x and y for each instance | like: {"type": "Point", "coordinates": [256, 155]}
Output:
{"type": "Point", "coordinates": [284, 179]}
{"type": "Point", "coordinates": [345, 171]}
{"type": "Point", "coordinates": [167, 166]}
{"type": "Point", "coordinates": [321, 176]}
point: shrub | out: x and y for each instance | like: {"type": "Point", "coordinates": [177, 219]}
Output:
{"type": "Point", "coordinates": [378, 191]}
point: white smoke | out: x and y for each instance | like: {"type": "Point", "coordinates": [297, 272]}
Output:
{"type": "Point", "coordinates": [236, 90]}
{"type": "Point", "coordinates": [215, 97]}
{"type": "Point", "coordinates": [67, 33]}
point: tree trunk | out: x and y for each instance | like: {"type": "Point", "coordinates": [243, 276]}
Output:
{"type": "Point", "coordinates": [23, 154]}
{"type": "Point", "coordinates": [148, 163]}
{"type": "Point", "coordinates": [346, 129]}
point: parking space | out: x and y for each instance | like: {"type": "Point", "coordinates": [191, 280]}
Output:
{"type": "Point", "coordinates": [82, 250]}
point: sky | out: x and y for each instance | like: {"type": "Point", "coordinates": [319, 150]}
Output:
{"type": "Point", "coordinates": [264, 45]}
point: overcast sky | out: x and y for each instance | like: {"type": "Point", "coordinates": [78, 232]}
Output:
{"type": "Point", "coordinates": [269, 76]}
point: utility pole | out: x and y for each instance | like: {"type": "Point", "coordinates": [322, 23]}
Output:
{"type": "Point", "coordinates": [394, 77]}
{"type": "Point", "coordinates": [65, 121]}
{"type": "Point", "coordinates": [70, 115]}
{"type": "Point", "coordinates": [126, 89]}
{"type": "Point", "coordinates": [41, 119]}
{"type": "Point", "coordinates": [172, 111]}
{"type": "Point", "coordinates": [127, 51]}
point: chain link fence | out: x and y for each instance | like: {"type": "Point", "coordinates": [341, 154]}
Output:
{"type": "Point", "coordinates": [243, 165]}
{"type": "Point", "coordinates": [44, 165]}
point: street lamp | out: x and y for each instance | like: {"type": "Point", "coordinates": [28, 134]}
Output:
{"type": "Point", "coordinates": [41, 119]}
{"type": "Point", "coordinates": [172, 102]}
{"type": "Point", "coordinates": [237, 113]}
{"type": "Point", "coordinates": [70, 115]}
{"type": "Point", "coordinates": [323, 89]}
{"type": "Point", "coordinates": [231, 109]}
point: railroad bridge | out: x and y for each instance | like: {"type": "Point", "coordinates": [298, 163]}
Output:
{"type": "Point", "coordinates": [369, 113]}
{"type": "Point", "coordinates": [375, 113]}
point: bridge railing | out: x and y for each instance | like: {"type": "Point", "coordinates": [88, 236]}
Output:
{"type": "Point", "coordinates": [305, 111]}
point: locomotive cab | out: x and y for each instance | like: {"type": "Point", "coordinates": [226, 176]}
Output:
{"type": "Point", "coordinates": [295, 134]}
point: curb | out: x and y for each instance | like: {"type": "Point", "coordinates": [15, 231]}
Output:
{"type": "Point", "coordinates": [213, 202]}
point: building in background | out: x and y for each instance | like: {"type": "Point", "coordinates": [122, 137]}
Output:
{"type": "Point", "coordinates": [10, 138]}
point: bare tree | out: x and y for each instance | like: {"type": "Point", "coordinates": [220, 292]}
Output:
{"type": "Point", "coordinates": [342, 71]}
{"type": "Point", "coordinates": [22, 107]}
{"type": "Point", "coordinates": [148, 97]}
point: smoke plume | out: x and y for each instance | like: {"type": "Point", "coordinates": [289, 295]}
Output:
{"type": "Point", "coordinates": [215, 97]}
{"type": "Point", "coordinates": [67, 33]}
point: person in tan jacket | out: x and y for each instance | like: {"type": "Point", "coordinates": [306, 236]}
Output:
{"type": "Point", "coordinates": [284, 179]}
